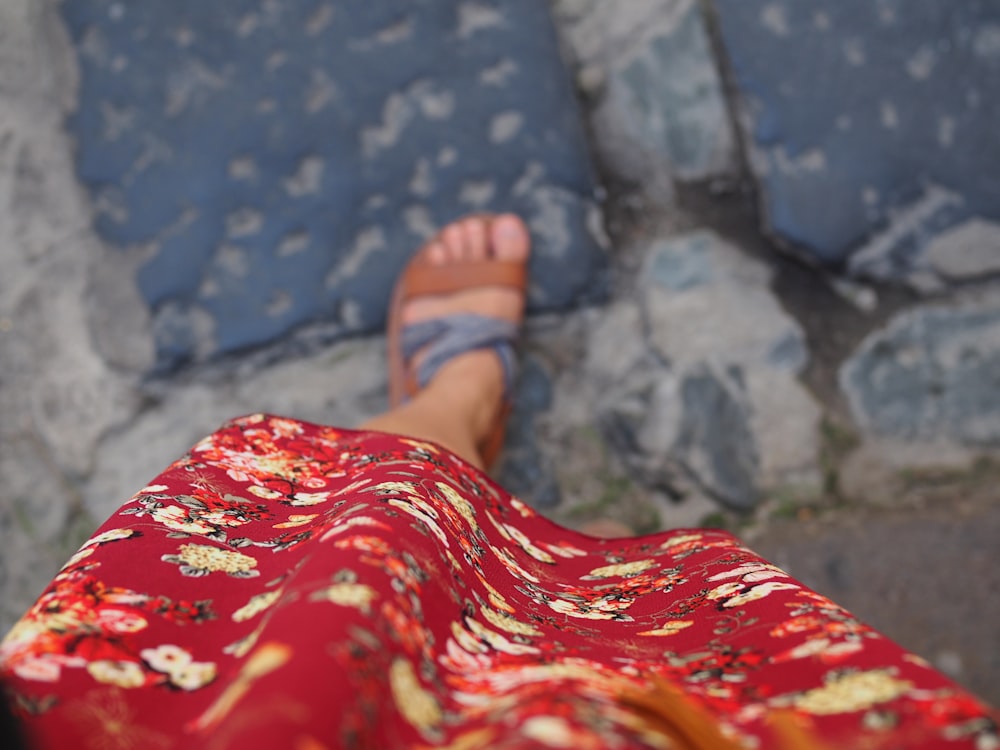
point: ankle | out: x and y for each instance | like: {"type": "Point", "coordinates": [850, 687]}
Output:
{"type": "Point", "coordinates": [423, 421]}
{"type": "Point", "coordinates": [470, 388]}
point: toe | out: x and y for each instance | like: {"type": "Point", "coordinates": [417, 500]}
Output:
{"type": "Point", "coordinates": [476, 238]}
{"type": "Point", "coordinates": [437, 253]}
{"type": "Point", "coordinates": [453, 239]}
{"type": "Point", "coordinates": [510, 238]}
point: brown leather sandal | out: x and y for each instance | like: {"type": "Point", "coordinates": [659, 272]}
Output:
{"type": "Point", "coordinates": [450, 336]}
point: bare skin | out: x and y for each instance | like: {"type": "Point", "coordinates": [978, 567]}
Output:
{"type": "Point", "coordinates": [459, 405]}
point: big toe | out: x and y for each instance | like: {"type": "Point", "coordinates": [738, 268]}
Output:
{"type": "Point", "coordinates": [510, 238]}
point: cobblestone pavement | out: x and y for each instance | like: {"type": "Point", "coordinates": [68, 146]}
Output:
{"type": "Point", "coordinates": [270, 165]}
{"type": "Point", "coordinates": [844, 418]}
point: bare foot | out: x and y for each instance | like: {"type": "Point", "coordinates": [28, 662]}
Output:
{"type": "Point", "coordinates": [478, 375]}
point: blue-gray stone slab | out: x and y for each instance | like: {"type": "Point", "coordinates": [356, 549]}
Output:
{"type": "Point", "coordinates": [932, 374]}
{"type": "Point", "coordinates": [276, 163]}
{"type": "Point", "coordinates": [855, 107]}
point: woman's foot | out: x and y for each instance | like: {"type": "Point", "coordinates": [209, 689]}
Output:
{"type": "Point", "coordinates": [477, 376]}
{"type": "Point", "coordinates": [460, 404]}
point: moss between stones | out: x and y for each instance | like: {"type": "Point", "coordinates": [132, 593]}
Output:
{"type": "Point", "coordinates": [837, 441]}
{"type": "Point", "coordinates": [982, 469]}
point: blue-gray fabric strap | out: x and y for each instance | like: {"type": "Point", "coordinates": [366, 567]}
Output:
{"type": "Point", "coordinates": [446, 338]}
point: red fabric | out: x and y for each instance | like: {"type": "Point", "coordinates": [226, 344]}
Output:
{"type": "Point", "coordinates": [292, 585]}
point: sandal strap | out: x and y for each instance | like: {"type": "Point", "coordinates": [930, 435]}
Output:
{"type": "Point", "coordinates": [448, 337]}
{"type": "Point", "coordinates": [425, 279]}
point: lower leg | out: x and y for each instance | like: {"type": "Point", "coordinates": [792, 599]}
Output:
{"type": "Point", "coordinates": [458, 407]}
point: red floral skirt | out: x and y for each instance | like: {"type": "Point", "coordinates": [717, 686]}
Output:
{"type": "Point", "coordinates": [292, 585]}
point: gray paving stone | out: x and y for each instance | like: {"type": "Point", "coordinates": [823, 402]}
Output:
{"type": "Point", "coordinates": [275, 164]}
{"type": "Point", "coordinates": [672, 98]}
{"type": "Point", "coordinates": [896, 252]}
{"type": "Point", "coordinates": [967, 251]}
{"type": "Point", "coordinates": [660, 111]}
{"type": "Point", "coordinates": [705, 301]}
{"type": "Point", "coordinates": [854, 109]}
{"type": "Point", "coordinates": [932, 373]}
{"type": "Point", "coordinates": [692, 383]}
{"type": "Point", "coordinates": [732, 350]}
{"type": "Point", "coordinates": [715, 438]}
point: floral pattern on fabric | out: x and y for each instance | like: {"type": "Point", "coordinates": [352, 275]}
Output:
{"type": "Point", "coordinates": [291, 585]}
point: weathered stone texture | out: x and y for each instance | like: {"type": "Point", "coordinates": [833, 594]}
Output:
{"type": "Point", "coordinates": [933, 373]}
{"type": "Point", "coordinates": [871, 125]}
{"type": "Point", "coordinates": [659, 111]}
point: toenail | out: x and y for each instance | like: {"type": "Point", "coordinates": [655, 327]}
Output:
{"type": "Point", "coordinates": [508, 226]}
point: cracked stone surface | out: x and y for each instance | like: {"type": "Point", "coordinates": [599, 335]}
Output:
{"type": "Point", "coordinates": [650, 127]}
{"type": "Point", "coordinates": [927, 254]}
{"type": "Point", "coordinates": [682, 382]}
